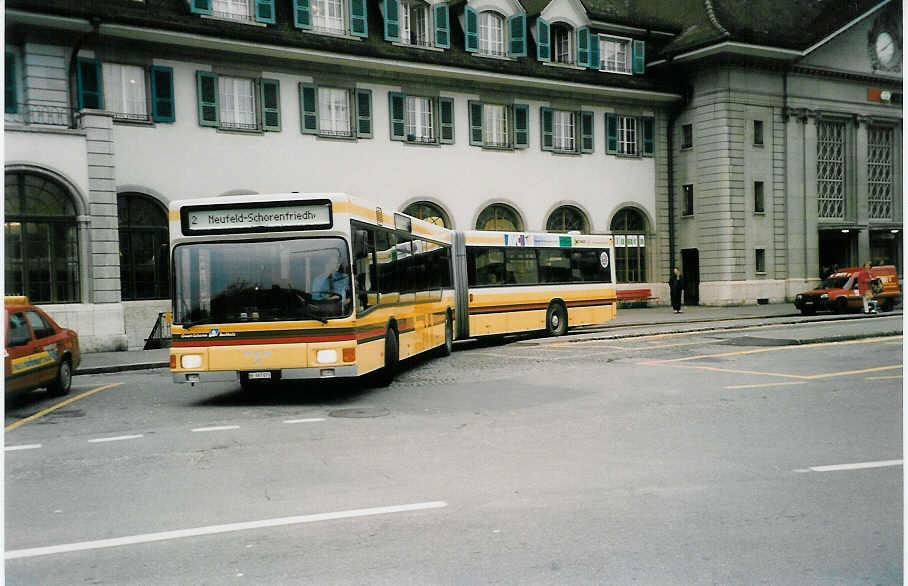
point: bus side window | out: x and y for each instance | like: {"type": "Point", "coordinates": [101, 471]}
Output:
{"type": "Point", "coordinates": [486, 266]}
{"type": "Point", "coordinates": [364, 268]}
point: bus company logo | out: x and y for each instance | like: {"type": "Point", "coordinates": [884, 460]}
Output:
{"type": "Point", "coordinates": [515, 240]}
{"type": "Point", "coordinates": [257, 357]}
{"type": "Point", "coordinates": [214, 333]}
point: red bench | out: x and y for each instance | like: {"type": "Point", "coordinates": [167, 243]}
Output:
{"type": "Point", "coordinates": [635, 295]}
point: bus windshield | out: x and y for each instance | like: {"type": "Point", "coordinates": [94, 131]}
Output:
{"type": "Point", "coordinates": [270, 280]}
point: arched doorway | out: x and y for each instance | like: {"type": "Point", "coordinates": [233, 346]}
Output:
{"type": "Point", "coordinates": [144, 247]}
{"type": "Point", "coordinates": [629, 230]}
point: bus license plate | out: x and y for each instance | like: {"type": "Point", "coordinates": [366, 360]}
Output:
{"type": "Point", "coordinates": [254, 375]}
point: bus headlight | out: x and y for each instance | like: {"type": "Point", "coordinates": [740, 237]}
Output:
{"type": "Point", "coordinates": [190, 361]}
{"type": "Point", "coordinates": [326, 356]}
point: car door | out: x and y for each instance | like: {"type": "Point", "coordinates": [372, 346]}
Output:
{"type": "Point", "coordinates": [21, 372]}
{"type": "Point", "coordinates": [47, 346]}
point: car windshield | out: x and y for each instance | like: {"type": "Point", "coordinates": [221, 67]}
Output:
{"type": "Point", "coordinates": [227, 282]}
{"type": "Point", "coordinates": [835, 282]}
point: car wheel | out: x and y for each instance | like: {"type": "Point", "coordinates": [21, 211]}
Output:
{"type": "Point", "coordinates": [386, 374]}
{"type": "Point", "coordinates": [61, 385]}
{"type": "Point", "coordinates": [841, 305]}
{"type": "Point", "coordinates": [556, 320]}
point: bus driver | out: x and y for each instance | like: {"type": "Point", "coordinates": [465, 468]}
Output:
{"type": "Point", "coordinates": [331, 281]}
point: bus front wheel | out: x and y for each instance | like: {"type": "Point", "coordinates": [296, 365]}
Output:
{"type": "Point", "coordinates": [556, 320]}
{"type": "Point", "coordinates": [386, 374]}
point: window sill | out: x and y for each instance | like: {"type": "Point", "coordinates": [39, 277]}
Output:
{"type": "Point", "coordinates": [760, 274]}
{"type": "Point", "coordinates": [625, 156]}
{"type": "Point", "coordinates": [496, 148]}
{"type": "Point", "coordinates": [631, 73]}
{"type": "Point", "coordinates": [566, 153]}
{"type": "Point", "coordinates": [760, 213]}
{"type": "Point", "coordinates": [689, 147]}
{"type": "Point", "coordinates": [250, 131]}
{"type": "Point", "coordinates": [344, 35]}
{"type": "Point", "coordinates": [499, 57]}
{"type": "Point", "coordinates": [683, 216]}
{"type": "Point", "coordinates": [347, 137]}
{"type": "Point", "coordinates": [133, 122]}
{"type": "Point", "coordinates": [234, 20]}
{"type": "Point", "coordinates": [422, 47]}
{"type": "Point", "coordinates": [563, 65]}
{"type": "Point", "coordinates": [417, 143]}
{"type": "Point", "coordinates": [759, 146]}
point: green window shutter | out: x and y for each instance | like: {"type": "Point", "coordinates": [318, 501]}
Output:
{"type": "Point", "coordinates": [208, 98]}
{"type": "Point", "coordinates": [548, 131]}
{"type": "Point", "coordinates": [586, 132]}
{"type": "Point", "coordinates": [10, 105]}
{"type": "Point", "coordinates": [471, 34]}
{"type": "Point", "coordinates": [521, 126]}
{"type": "Point", "coordinates": [88, 82]}
{"type": "Point", "coordinates": [302, 14]}
{"type": "Point", "coordinates": [442, 26]}
{"type": "Point", "coordinates": [543, 44]}
{"type": "Point", "coordinates": [308, 108]}
{"type": "Point", "coordinates": [162, 109]}
{"type": "Point", "coordinates": [583, 46]}
{"type": "Point", "coordinates": [446, 120]}
{"type": "Point", "coordinates": [475, 122]}
{"type": "Point", "coordinates": [594, 51]}
{"type": "Point", "coordinates": [271, 105]}
{"type": "Point", "coordinates": [200, 6]}
{"type": "Point", "coordinates": [392, 20]}
{"type": "Point", "coordinates": [649, 136]}
{"type": "Point", "coordinates": [517, 31]}
{"type": "Point", "coordinates": [264, 11]}
{"type": "Point", "coordinates": [363, 113]}
{"type": "Point", "coordinates": [396, 105]}
{"type": "Point", "coordinates": [359, 25]}
{"type": "Point", "coordinates": [639, 57]}
{"type": "Point", "coordinates": [611, 134]}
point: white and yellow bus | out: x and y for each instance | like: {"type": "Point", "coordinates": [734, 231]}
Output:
{"type": "Point", "coordinates": [308, 286]}
{"type": "Point", "coordinates": [304, 286]}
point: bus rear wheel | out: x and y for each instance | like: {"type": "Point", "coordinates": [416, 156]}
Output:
{"type": "Point", "coordinates": [446, 348]}
{"type": "Point", "coordinates": [556, 320]}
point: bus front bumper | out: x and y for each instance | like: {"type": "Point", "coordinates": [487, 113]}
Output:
{"type": "Point", "coordinates": [274, 374]}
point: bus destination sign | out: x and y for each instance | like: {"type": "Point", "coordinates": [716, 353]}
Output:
{"type": "Point", "coordinates": [224, 220]}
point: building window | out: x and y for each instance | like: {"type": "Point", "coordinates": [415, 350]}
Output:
{"type": "Point", "coordinates": [499, 217]}
{"type": "Point", "coordinates": [231, 9]}
{"type": "Point", "coordinates": [499, 125]}
{"type": "Point", "coordinates": [414, 23]}
{"type": "Point", "coordinates": [627, 135]}
{"type": "Point", "coordinates": [760, 260]}
{"type": "Point", "coordinates": [688, 191]}
{"type": "Point", "coordinates": [334, 112]}
{"type": "Point", "coordinates": [879, 172]}
{"type": "Point", "coordinates": [495, 132]}
{"type": "Point", "coordinates": [564, 128]}
{"type": "Point", "coordinates": [831, 169]}
{"type": "Point", "coordinates": [420, 119]}
{"type": "Point", "coordinates": [143, 248]}
{"type": "Point", "coordinates": [237, 103]}
{"type": "Point", "coordinates": [758, 198]}
{"type": "Point", "coordinates": [567, 219]}
{"type": "Point", "coordinates": [629, 232]}
{"type": "Point", "coordinates": [758, 133]}
{"type": "Point", "coordinates": [687, 136]}
{"type": "Point", "coordinates": [563, 44]}
{"type": "Point", "coordinates": [614, 54]}
{"type": "Point", "coordinates": [491, 34]}
{"type": "Point", "coordinates": [429, 212]}
{"type": "Point", "coordinates": [328, 16]}
{"type": "Point", "coordinates": [124, 91]}
{"type": "Point", "coordinates": [41, 239]}
{"type": "Point", "coordinates": [11, 96]}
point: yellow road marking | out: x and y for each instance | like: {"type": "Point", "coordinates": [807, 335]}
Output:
{"type": "Point", "coordinates": [850, 372]}
{"type": "Point", "coordinates": [766, 385]}
{"type": "Point", "coordinates": [777, 349]}
{"type": "Point", "coordinates": [44, 412]}
{"type": "Point", "coordinates": [884, 377]}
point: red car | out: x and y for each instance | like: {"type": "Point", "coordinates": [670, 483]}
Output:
{"type": "Point", "coordinates": [39, 353]}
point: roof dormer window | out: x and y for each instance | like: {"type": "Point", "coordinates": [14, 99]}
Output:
{"type": "Point", "coordinates": [491, 34]}
{"type": "Point", "coordinates": [562, 43]}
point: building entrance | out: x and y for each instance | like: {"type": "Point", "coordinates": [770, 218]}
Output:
{"type": "Point", "coordinates": [838, 248]}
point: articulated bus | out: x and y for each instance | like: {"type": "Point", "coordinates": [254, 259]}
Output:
{"type": "Point", "coordinates": [311, 286]}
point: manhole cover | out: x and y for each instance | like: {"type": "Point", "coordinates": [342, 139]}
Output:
{"type": "Point", "coordinates": [359, 412]}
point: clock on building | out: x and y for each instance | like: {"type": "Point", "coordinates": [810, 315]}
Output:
{"type": "Point", "coordinates": [885, 46]}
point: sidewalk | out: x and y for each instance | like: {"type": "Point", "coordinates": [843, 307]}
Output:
{"type": "Point", "coordinates": [101, 362]}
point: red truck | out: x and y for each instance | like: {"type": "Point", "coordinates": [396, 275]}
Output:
{"type": "Point", "coordinates": [839, 291]}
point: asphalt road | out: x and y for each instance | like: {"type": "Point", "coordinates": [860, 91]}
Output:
{"type": "Point", "coordinates": [746, 456]}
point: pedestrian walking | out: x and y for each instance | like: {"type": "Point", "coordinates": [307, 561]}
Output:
{"type": "Point", "coordinates": [676, 288]}
{"type": "Point", "coordinates": [864, 288]}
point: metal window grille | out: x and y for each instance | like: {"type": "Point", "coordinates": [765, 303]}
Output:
{"type": "Point", "coordinates": [627, 135]}
{"type": "Point", "coordinates": [831, 169]}
{"type": "Point", "coordinates": [564, 132]}
{"type": "Point", "coordinates": [41, 114]}
{"type": "Point", "coordinates": [879, 172]}
{"type": "Point", "coordinates": [491, 34]}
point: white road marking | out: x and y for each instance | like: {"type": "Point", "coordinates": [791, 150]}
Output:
{"type": "Point", "coordinates": [216, 428]}
{"type": "Point", "coordinates": [756, 386]}
{"type": "Point", "coordinates": [114, 439]}
{"type": "Point", "coordinates": [857, 466]}
{"type": "Point", "coordinates": [312, 420]}
{"type": "Point", "coordinates": [22, 447]}
{"type": "Point", "coordinates": [216, 529]}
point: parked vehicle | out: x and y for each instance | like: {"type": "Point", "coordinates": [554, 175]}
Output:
{"type": "Point", "coordinates": [839, 291]}
{"type": "Point", "coordinates": [39, 353]}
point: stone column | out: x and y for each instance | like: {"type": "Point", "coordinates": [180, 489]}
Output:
{"type": "Point", "coordinates": [861, 202]}
{"type": "Point", "coordinates": [811, 211]}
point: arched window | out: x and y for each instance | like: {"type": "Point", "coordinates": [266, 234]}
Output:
{"type": "Point", "coordinates": [42, 239]}
{"type": "Point", "coordinates": [429, 212]}
{"type": "Point", "coordinates": [144, 247]}
{"type": "Point", "coordinates": [499, 217]}
{"type": "Point", "coordinates": [491, 34]}
{"type": "Point", "coordinates": [567, 219]}
{"type": "Point", "coordinates": [629, 230]}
